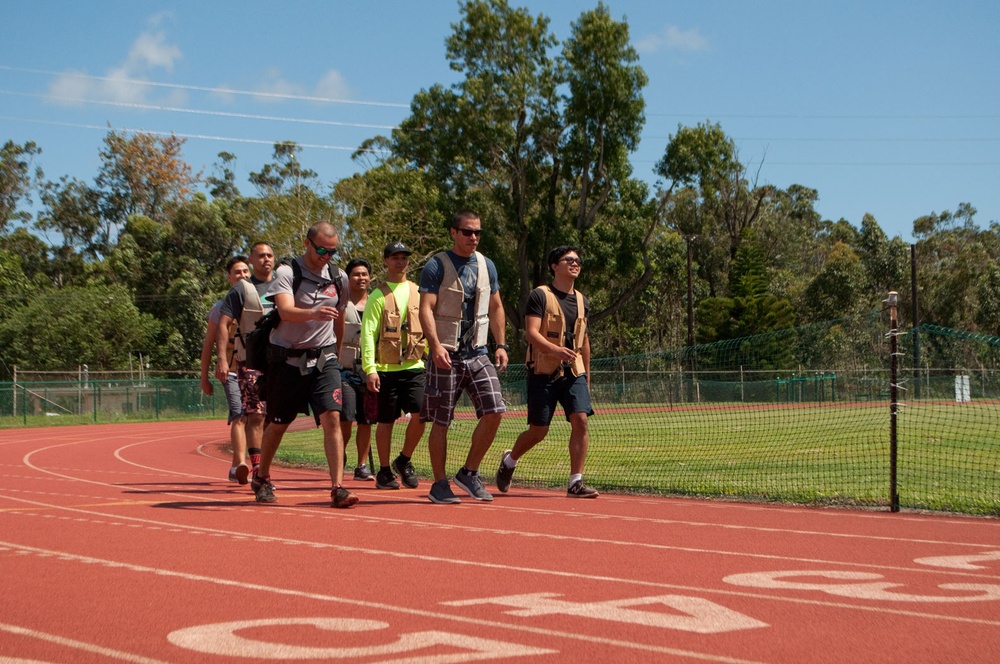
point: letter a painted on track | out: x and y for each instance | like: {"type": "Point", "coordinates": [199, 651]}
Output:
{"type": "Point", "coordinates": [699, 615]}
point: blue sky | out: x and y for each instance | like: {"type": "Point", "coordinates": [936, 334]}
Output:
{"type": "Point", "coordinates": [890, 108]}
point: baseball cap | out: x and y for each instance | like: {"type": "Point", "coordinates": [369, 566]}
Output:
{"type": "Point", "coordinates": [396, 247]}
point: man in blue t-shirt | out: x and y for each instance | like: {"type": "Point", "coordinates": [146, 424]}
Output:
{"type": "Point", "coordinates": [459, 305]}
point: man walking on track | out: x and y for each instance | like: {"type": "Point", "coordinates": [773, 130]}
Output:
{"type": "Point", "coordinates": [558, 364]}
{"type": "Point", "coordinates": [237, 269]}
{"type": "Point", "coordinates": [310, 296]}
{"type": "Point", "coordinates": [241, 307]}
{"type": "Point", "coordinates": [459, 304]}
{"type": "Point", "coordinates": [392, 351]}
{"type": "Point", "coordinates": [352, 378]}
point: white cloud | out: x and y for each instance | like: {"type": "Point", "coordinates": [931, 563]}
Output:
{"type": "Point", "coordinates": [672, 38]}
{"type": "Point", "coordinates": [149, 52]}
{"type": "Point", "coordinates": [333, 85]}
{"type": "Point", "coordinates": [273, 86]}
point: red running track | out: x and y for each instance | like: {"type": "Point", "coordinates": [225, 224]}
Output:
{"type": "Point", "coordinates": [125, 543]}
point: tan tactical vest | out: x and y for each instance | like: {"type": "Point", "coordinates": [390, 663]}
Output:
{"type": "Point", "coordinates": [252, 311]}
{"type": "Point", "coordinates": [393, 347]}
{"type": "Point", "coordinates": [350, 348]}
{"type": "Point", "coordinates": [553, 329]}
{"type": "Point", "coordinates": [448, 310]}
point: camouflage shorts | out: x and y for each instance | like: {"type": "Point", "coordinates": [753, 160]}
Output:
{"type": "Point", "coordinates": [249, 393]}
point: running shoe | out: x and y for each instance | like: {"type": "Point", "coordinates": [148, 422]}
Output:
{"type": "Point", "coordinates": [363, 473]}
{"type": "Point", "coordinates": [504, 474]}
{"type": "Point", "coordinates": [442, 494]}
{"type": "Point", "coordinates": [232, 475]}
{"type": "Point", "coordinates": [406, 473]}
{"type": "Point", "coordinates": [581, 490]}
{"type": "Point", "coordinates": [473, 485]}
{"type": "Point", "coordinates": [263, 489]}
{"type": "Point", "coordinates": [241, 474]}
{"type": "Point", "coordinates": [342, 498]}
{"type": "Point", "coordinates": [384, 479]}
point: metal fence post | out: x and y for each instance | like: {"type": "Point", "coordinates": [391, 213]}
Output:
{"type": "Point", "coordinates": [893, 303]}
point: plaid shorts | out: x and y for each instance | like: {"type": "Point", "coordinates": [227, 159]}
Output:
{"type": "Point", "coordinates": [475, 375]}
{"type": "Point", "coordinates": [249, 392]}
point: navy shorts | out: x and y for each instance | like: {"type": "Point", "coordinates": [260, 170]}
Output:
{"type": "Point", "coordinates": [399, 392]}
{"type": "Point", "coordinates": [543, 395]}
{"type": "Point", "coordinates": [290, 393]}
{"type": "Point", "coordinates": [354, 394]}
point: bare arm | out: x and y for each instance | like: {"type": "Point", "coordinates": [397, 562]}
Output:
{"type": "Point", "coordinates": [221, 347]}
{"type": "Point", "coordinates": [206, 357]}
{"type": "Point", "coordinates": [498, 326]}
{"type": "Point", "coordinates": [285, 304]}
{"type": "Point", "coordinates": [438, 353]}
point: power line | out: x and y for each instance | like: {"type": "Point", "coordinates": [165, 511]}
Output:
{"type": "Point", "coordinates": [199, 88]}
{"type": "Point", "coordinates": [177, 109]}
{"type": "Point", "coordinates": [207, 137]}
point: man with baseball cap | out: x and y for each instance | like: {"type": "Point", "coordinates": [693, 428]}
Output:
{"type": "Point", "coordinates": [392, 352]}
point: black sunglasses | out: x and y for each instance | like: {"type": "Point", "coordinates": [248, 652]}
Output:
{"type": "Point", "coordinates": [469, 232]}
{"type": "Point", "coordinates": [571, 260]}
{"type": "Point", "coordinates": [323, 251]}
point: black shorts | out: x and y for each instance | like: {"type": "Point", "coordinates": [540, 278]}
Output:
{"type": "Point", "coordinates": [399, 392]}
{"type": "Point", "coordinates": [290, 393]}
{"type": "Point", "coordinates": [354, 394]}
{"type": "Point", "coordinates": [543, 395]}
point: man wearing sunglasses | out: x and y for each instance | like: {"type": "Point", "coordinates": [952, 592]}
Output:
{"type": "Point", "coordinates": [558, 363]}
{"type": "Point", "coordinates": [303, 369]}
{"type": "Point", "coordinates": [459, 305]}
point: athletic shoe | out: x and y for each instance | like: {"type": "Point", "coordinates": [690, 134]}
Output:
{"type": "Point", "coordinates": [363, 474]}
{"type": "Point", "coordinates": [242, 473]}
{"type": "Point", "coordinates": [384, 479]}
{"type": "Point", "coordinates": [473, 484]}
{"type": "Point", "coordinates": [263, 489]}
{"type": "Point", "coordinates": [406, 473]}
{"type": "Point", "coordinates": [342, 498]}
{"type": "Point", "coordinates": [504, 474]}
{"type": "Point", "coordinates": [232, 475]}
{"type": "Point", "coordinates": [442, 494]}
{"type": "Point", "coordinates": [581, 490]}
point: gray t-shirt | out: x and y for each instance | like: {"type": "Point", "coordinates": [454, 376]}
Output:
{"type": "Point", "coordinates": [315, 290]}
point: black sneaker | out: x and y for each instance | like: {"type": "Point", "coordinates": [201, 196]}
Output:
{"type": "Point", "coordinates": [473, 485]}
{"type": "Point", "coordinates": [442, 494]}
{"type": "Point", "coordinates": [263, 489]}
{"type": "Point", "coordinates": [384, 479]}
{"type": "Point", "coordinates": [581, 490]}
{"type": "Point", "coordinates": [342, 498]}
{"type": "Point", "coordinates": [363, 473]}
{"type": "Point", "coordinates": [406, 473]}
{"type": "Point", "coordinates": [504, 474]}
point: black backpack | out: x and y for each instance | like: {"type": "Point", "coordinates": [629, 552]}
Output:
{"type": "Point", "coordinates": [258, 339]}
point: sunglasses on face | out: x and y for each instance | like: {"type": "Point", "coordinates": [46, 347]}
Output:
{"type": "Point", "coordinates": [323, 251]}
{"type": "Point", "coordinates": [571, 261]}
{"type": "Point", "coordinates": [469, 232]}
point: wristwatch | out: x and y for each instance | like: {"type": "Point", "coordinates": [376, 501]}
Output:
{"type": "Point", "coordinates": [504, 346]}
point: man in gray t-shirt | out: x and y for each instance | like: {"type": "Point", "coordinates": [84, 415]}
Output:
{"type": "Point", "coordinates": [302, 359]}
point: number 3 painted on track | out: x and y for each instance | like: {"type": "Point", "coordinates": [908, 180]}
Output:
{"type": "Point", "coordinates": [221, 639]}
{"type": "Point", "coordinates": [860, 585]}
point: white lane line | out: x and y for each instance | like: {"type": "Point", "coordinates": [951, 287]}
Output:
{"type": "Point", "coordinates": [79, 645]}
{"type": "Point", "coordinates": [422, 612]}
{"type": "Point", "coordinates": [575, 575]}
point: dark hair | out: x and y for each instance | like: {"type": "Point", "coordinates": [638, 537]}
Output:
{"type": "Point", "coordinates": [358, 262]}
{"type": "Point", "coordinates": [234, 260]}
{"type": "Point", "coordinates": [260, 244]}
{"type": "Point", "coordinates": [558, 253]}
{"type": "Point", "coordinates": [463, 215]}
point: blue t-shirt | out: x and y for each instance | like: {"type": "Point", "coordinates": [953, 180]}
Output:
{"type": "Point", "coordinates": [468, 273]}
